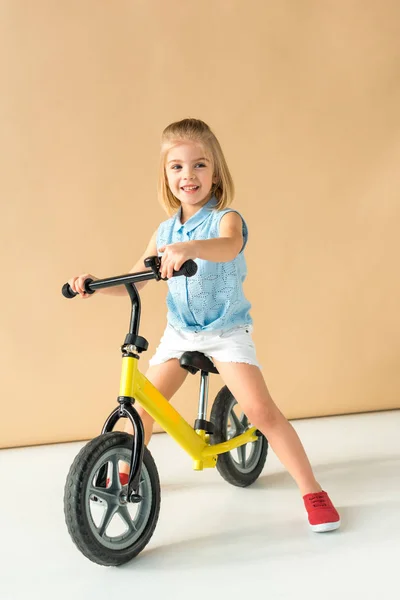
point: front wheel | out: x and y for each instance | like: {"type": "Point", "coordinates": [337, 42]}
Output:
{"type": "Point", "coordinates": [243, 465]}
{"type": "Point", "coordinates": [105, 527]}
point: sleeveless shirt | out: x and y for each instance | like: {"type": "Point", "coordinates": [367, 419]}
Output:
{"type": "Point", "coordinates": [213, 298]}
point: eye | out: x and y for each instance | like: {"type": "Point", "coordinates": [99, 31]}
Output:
{"type": "Point", "coordinates": [200, 165]}
{"type": "Point", "coordinates": [176, 167]}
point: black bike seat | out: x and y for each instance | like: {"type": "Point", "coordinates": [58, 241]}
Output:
{"type": "Point", "coordinates": [197, 361]}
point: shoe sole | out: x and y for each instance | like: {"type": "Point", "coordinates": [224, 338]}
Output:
{"type": "Point", "coordinates": [322, 527]}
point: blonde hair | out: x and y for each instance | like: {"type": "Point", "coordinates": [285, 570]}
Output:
{"type": "Point", "coordinates": [196, 131]}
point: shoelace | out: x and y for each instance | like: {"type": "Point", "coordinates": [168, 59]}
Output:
{"type": "Point", "coordinates": [318, 501]}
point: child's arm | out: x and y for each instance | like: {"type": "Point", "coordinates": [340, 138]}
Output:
{"type": "Point", "coordinates": [77, 283]}
{"type": "Point", "coordinates": [229, 243]}
{"type": "Point", "coordinates": [221, 249]}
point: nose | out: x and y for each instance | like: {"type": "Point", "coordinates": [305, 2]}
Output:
{"type": "Point", "coordinates": [188, 174]}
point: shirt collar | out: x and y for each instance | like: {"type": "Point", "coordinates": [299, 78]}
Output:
{"type": "Point", "coordinates": [197, 218]}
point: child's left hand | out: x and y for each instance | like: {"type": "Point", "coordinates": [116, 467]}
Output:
{"type": "Point", "coordinates": [174, 256]}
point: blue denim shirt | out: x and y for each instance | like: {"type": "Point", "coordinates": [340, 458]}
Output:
{"type": "Point", "coordinates": [213, 299]}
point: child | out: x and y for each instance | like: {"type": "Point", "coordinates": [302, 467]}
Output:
{"type": "Point", "coordinates": [209, 311]}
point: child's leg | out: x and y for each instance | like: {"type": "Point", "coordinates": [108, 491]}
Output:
{"type": "Point", "coordinates": [249, 388]}
{"type": "Point", "coordinates": [167, 378]}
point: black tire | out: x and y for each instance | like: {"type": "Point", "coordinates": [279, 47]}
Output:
{"type": "Point", "coordinates": [93, 486]}
{"type": "Point", "coordinates": [236, 467]}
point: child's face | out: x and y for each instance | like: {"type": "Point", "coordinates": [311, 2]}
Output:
{"type": "Point", "coordinates": [189, 173]}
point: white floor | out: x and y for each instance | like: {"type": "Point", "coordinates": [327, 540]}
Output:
{"type": "Point", "coordinates": [215, 540]}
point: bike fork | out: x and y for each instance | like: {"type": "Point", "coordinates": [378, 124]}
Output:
{"type": "Point", "coordinates": [126, 410]}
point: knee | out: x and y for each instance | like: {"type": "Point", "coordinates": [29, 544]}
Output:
{"type": "Point", "coordinates": [263, 416]}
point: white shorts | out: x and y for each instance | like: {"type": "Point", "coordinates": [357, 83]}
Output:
{"type": "Point", "coordinates": [231, 345]}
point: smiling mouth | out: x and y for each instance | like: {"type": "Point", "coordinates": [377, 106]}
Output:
{"type": "Point", "coordinates": [190, 188]}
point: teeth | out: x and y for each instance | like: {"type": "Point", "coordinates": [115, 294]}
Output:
{"type": "Point", "coordinates": [190, 187]}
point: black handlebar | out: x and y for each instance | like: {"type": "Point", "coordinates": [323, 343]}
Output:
{"type": "Point", "coordinates": [188, 269]}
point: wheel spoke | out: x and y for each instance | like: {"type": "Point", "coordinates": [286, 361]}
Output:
{"type": "Point", "coordinates": [115, 481]}
{"type": "Point", "coordinates": [104, 494]}
{"type": "Point", "coordinates": [242, 455]}
{"type": "Point", "coordinates": [107, 518]}
{"type": "Point", "coordinates": [126, 517]}
{"type": "Point", "coordinates": [235, 421]}
{"type": "Point", "coordinates": [244, 421]}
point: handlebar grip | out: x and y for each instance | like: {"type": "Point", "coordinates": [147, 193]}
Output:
{"type": "Point", "coordinates": [188, 269]}
{"type": "Point", "coordinates": [68, 292]}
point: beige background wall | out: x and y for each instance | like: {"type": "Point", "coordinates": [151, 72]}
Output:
{"type": "Point", "coordinates": [304, 97]}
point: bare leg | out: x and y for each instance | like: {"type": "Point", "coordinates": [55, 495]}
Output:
{"type": "Point", "coordinates": [249, 388]}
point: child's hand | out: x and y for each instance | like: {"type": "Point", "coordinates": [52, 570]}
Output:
{"type": "Point", "coordinates": [78, 284]}
{"type": "Point", "coordinates": [174, 256]}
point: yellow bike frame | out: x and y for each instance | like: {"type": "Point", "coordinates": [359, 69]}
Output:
{"type": "Point", "coordinates": [196, 443]}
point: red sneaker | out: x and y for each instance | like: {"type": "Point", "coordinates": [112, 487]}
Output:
{"type": "Point", "coordinates": [123, 477]}
{"type": "Point", "coordinates": [322, 515]}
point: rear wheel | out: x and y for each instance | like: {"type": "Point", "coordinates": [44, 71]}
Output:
{"type": "Point", "coordinates": [105, 527]}
{"type": "Point", "coordinates": [243, 465]}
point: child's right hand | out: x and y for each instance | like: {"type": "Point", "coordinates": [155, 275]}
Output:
{"type": "Point", "coordinates": [77, 284]}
